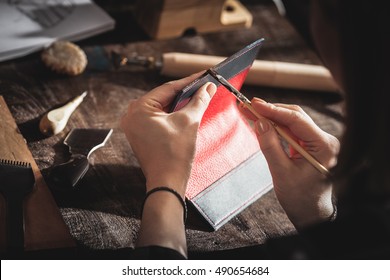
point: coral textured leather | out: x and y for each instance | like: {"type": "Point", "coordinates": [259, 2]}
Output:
{"type": "Point", "coordinates": [229, 171]}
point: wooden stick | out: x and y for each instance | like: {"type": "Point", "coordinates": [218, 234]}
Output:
{"type": "Point", "coordinates": [262, 73]}
{"type": "Point", "coordinates": [322, 169]}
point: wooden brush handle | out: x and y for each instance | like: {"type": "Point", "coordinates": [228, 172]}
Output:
{"type": "Point", "coordinates": [316, 164]}
{"type": "Point", "coordinates": [262, 73]}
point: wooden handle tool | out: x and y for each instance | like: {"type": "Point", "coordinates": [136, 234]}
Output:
{"type": "Point", "coordinates": [55, 121]}
{"type": "Point", "coordinates": [262, 73]}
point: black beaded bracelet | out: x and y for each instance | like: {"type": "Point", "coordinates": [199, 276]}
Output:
{"type": "Point", "coordinates": [167, 189]}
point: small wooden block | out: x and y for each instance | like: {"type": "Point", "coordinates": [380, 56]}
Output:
{"type": "Point", "coordinates": [172, 18]}
{"type": "Point", "coordinates": [44, 226]}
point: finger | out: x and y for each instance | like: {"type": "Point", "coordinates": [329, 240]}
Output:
{"type": "Point", "coordinates": [298, 122]}
{"type": "Point", "coordinates": [163, 95]}
{"type": "Point", "coordinates": [292, 107]}
{"type": "Point", "coordinates": [245, 111]}
{"type": "Point", "coordinates": [270, 145]}
{"type": "Point", "coordinates": [200, 101]}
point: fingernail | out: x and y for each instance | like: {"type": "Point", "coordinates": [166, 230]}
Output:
{"type": "Point", "coordinates": [259, 100]}
{"type": "Point", "coordinates": [211, 88]}
{"type": "Point", "coordinates": [262, 126]}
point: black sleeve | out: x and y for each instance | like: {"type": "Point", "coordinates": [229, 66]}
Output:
{"type": "Point", "coordinates": [139, 253]}
{"type": "Point", "coordinates": [156, 253]}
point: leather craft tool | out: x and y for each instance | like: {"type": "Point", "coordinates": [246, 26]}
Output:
{"type": "Point", "coordinates": [262, 73]}
{"type": "Point", "coordinates": [82, 143]}
{"type": "Point", "coordinates": [174, 64]}
{"type": "Point", "coordinates": [322, 169]}
{"type": "Point", "coordinates": [16, 182]}
{"type": "Point", "coordinates": [55, 121]}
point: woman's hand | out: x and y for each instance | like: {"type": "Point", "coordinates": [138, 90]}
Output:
{"type": "Point", "coordinates": [304, 193]}
{"type": "Point", "coordinates": [164, 144]}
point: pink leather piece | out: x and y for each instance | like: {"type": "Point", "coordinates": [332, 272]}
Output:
{"type": "Point", "coordinates": [225, 139]}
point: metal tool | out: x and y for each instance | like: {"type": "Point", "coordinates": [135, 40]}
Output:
{"type": "Point", "coordinates": [55, 121]}
{"type": "Point", "coordinates": [82, 143]}
{"type": "Point", "coordinates": [241, 97]}
{"type": "Point", "coordinates": [16, 182]}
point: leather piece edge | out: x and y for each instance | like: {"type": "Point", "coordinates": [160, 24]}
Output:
{"type": "Point", "coordinates": [235, 191]}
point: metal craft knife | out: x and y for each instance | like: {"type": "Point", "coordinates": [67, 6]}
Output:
{"type": "Point", "coordinates": [82, 143]}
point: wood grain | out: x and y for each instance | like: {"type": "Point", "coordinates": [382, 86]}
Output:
{"type": "Point", "coordinates": [44, 226]}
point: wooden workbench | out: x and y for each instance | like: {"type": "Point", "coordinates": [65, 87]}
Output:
{"type": "Point", "coordinates": [105, 212]}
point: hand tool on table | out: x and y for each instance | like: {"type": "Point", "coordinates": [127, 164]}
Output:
{"type": "Point", "coordinates": [16, 182]}
{"type": "Point", "coordinates": [55, 121]}
{"type": "Point", "coordinates": [82, 143]}
{"type": "Point", "coordinates": [262, 73]}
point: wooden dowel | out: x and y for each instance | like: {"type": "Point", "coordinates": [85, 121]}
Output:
{"type": "Point", "coordinates": [262, 73]}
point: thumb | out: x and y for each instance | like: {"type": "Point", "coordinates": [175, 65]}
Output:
{"type": "Point", "coordinates": [200, 100]}
{"type": "Point", "coordinates": [270, 144]}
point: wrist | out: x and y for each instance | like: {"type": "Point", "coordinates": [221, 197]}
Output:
{"type": "Point", "coordinates": [162, 222]}
{"type": "Point", "coordinates": [176, 181]}
{"type": "Point", "coordinates": [155, 191]}
{"type": "Point", "coordinates": [311, 214]}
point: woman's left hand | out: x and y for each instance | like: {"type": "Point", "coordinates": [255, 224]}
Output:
{"type": "Point", "coordinates": [164, 143]}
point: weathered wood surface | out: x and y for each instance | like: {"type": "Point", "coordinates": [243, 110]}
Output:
{"type": "Point", "coordinates": [104, 213]}
{"type": "Point", "coordinates": [44, 226]}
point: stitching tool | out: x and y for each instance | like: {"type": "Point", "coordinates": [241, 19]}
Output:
{"type": "Point", "coordinates": [242, 98]}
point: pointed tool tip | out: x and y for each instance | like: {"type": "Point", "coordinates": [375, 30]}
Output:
{"type": "Point", "coordinates": [215, 75]}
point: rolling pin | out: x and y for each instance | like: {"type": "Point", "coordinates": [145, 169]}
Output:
{"type": "Point", "coordinates": [262, 73]}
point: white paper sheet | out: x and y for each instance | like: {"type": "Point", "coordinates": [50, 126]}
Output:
{"type": "Point", "coordinates": [27, 26]}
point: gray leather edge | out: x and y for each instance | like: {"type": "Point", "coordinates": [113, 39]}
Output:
{"type": "Point", "coordinates": [235, 191]}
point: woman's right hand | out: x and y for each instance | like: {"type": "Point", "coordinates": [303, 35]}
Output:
{"type": "Point", "coordinates": [303, 192]}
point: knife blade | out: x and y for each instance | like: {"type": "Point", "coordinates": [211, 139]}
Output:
{"type": "Point", "coordinates": [82, 143]}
